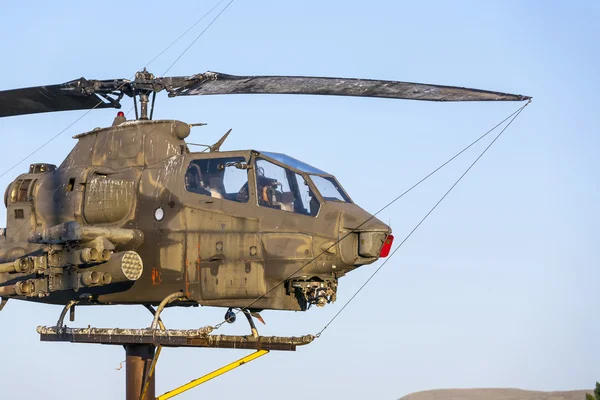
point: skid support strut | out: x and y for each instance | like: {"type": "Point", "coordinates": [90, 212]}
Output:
{"type": "Point", "coordinates": [212, 375]}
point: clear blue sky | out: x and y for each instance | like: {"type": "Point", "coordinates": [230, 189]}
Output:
{"type": "Point", "coordinates": [499, 288]}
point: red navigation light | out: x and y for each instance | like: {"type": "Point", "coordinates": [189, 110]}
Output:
{"type": "Point", "coordinates": [387, 246]}
{"type": "Point", "coordinates": [120, 114]}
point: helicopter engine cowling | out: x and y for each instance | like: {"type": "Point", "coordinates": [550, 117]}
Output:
{"type": "Point", "coordinates": [108, 200]}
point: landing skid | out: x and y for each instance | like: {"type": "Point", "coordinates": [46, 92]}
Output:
{"type": "Point", "coordinates": [143, 347]}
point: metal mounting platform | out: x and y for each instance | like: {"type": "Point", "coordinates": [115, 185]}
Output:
{"type": "Point", "coordinates": [170, 338]}
{"type": "Point", "coordinates": [143, 346]}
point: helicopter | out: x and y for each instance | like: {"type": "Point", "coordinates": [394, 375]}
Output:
{"type": "Point", "coordinates": [132, 215]}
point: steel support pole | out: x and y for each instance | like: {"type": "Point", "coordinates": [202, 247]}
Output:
{"type": "Point", "coordinates": [137, 363]}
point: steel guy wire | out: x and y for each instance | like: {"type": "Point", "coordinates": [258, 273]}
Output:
{"type": "Point", "coordinates": [184, 33]}
{"type": "Point", "coordinates": [421, 221]}
{"type": "Point", "coordinates": [199, 35]}
{"type": "Point", "coordinates": [93, 108]}
{"type": "Point", "coordinates": [380, 210]}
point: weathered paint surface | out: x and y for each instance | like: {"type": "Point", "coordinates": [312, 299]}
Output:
{"type": "Point", "coordinates": [123, 189]}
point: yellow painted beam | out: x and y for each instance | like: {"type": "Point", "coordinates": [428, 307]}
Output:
{"type": "Point", "coordinates": [150, 371]}
{"type": "Point", "coordinates": [213, 374]}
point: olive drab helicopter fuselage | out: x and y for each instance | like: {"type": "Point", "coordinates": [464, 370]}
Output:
{"type": "Point", "coordinates": [132, 215]}
{"type": "Point", "coordinates": [223, 227]}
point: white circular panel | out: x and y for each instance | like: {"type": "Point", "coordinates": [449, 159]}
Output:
{"type": "Point", "coordinates": [159, 214]}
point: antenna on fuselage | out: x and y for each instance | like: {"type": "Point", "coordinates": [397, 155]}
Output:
{"type": "Point", "coordinates": [217, 146]}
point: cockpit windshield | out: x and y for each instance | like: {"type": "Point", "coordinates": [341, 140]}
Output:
{"type": "Point", "coordinates": [326, 185]}
{"type": "Point", "coordinates": [292, 162]}
{"type": "Point", "coordinates": [329, 189]}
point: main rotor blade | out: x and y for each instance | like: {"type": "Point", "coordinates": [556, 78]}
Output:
{"type": "Point", "coordinates": [83, 94]}
{"type": "Point", "coordinates": [218, 83]}
{"type": "Point", "coordinates": [61, 97]}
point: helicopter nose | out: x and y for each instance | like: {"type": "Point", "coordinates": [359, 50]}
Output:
{"type": "Point", "coordinates": [365, 247]}
{"type": "Point", "coordinates": [365, 238]}
{"type": "Point", "coordinates": [374, 244]}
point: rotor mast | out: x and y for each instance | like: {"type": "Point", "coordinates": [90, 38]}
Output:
{"type": "Point", "coordinates": [143, 94]}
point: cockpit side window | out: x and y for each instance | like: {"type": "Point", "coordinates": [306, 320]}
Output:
{"type": "Point", "coordinates": [283, 189]}
{"type": "Point", "coordinates": [222, 178]}
{"type": "Point", "coordinates": [22, 190]}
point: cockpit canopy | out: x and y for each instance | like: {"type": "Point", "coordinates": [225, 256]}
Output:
{"type": "Point", "coordinates": [280, 181]}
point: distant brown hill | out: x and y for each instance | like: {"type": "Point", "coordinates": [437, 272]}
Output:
{"type": "Point", "coordinates": [495, 394]}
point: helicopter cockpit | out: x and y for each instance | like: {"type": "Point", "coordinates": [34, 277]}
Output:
{"type": "Point", "coordinates": [282, 182]}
